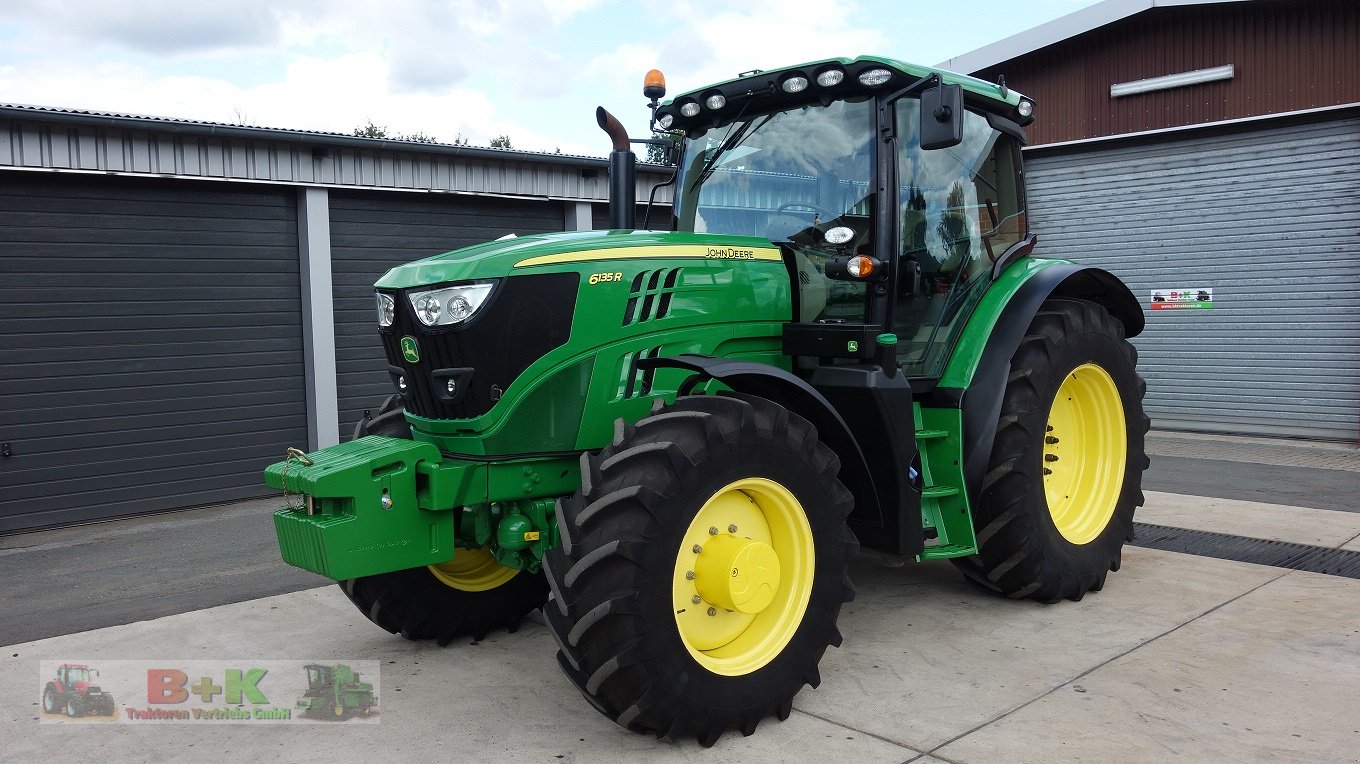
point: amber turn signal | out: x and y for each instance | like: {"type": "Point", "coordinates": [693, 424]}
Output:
{"type": "Point", "coordinates": [860, 267]}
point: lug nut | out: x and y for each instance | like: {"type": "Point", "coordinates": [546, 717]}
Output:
{"type": "Point", "coordinates": [1050, 440]}
{"type": "Point", "coordinates": [696, 599]}
{"type": "Point", "coordinates": [689, 575]}
{"type": "Point", "coordinates": [712, 611]}
{"type": "Point", "coordinates": [697, 549]}
{"type": "Point", "coordinates": [732, 528]}
{"type": "Point", "coordinates": [1050, 457]}
{"type": "Point", "coordinates": [1048, 471]}
{"type": "Point", "coordinates": [713, 531]}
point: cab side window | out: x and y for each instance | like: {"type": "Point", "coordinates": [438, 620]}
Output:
{"type": "Point", "coordinates": [960, 209]}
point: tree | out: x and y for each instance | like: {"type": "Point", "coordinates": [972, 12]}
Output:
{"type": "Point", "coordinates": [501, 142]}
{"type": "Point", "coordinates": [371, 130]}
{"type": "Point", "coordinates": [656, 153]}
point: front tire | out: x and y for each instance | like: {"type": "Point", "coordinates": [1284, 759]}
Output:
{"type": "Point", "coordinates": [702, 568]}
{"type": "Point", "coordinates": [1065, 475]}
{"type": "Point", "coordinates": [50, 703]}
{"type": "Point", "coordinates": [73, 708]}
{"type": "Point", "coordinates": [470, 596]}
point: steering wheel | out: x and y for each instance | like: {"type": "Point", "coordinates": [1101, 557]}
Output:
{"type": "Point", "coordinates": [818, 210]}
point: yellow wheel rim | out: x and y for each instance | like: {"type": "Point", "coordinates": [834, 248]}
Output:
{"type": "Point", "coordinates": [473, 570]}
{"type": "Point", "coordinates": [1085, 451]}
{"type": "Point", "coordinates": [743, 576]}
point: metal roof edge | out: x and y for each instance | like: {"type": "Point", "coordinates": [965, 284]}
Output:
{"type": "Point", "coordinates": [1059, 29]}
{"type": "Point", "coordinates": [282, 135]}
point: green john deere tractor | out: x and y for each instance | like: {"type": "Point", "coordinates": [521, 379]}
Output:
{"type": "Point", "coordinates": [674, 441]}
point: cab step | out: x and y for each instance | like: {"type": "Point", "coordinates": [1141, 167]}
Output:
{"type": "Point", "coordinates": [945, 551]}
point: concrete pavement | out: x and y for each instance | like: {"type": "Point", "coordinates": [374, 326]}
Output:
{"type": "Point", "coordinates": [1180, 657]}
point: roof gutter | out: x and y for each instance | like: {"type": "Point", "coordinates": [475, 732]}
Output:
{"type": "Point", "coordinates": [315, 140]}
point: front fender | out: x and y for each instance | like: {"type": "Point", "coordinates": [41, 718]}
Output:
{"type": "Point", "coordinates": [796, 395]}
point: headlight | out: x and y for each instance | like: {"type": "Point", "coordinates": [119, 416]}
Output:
{"type": "Point", "coordinates": [450, 305]}
{"type": "Point", "coordinates": [387, 309]}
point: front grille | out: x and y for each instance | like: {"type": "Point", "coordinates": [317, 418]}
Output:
{"type": "Point", "coordinates": [526, 318]}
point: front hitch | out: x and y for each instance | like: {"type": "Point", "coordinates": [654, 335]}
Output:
{"type": "Point", "coordinates": [369, 506]}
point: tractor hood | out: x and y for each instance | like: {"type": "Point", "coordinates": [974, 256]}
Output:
{"type": "Point", "coordinates": [539, 252]}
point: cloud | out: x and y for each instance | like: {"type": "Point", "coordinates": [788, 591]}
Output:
{"type": "Point", "coordinates": [158, 27]}
{"type": "Point", "coordinates": [532, 69]}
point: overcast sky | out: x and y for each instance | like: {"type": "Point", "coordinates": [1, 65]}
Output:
{"type": "Point", "coordinates": [531, 69]}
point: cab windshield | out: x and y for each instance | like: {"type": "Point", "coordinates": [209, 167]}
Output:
{"type": "Point", "coordinates": [788, 176]}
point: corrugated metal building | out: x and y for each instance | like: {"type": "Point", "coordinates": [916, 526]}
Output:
{"type": "Point", "coordinates": [181, 301]}
{"type": "Point", "coordinates": [1194, 146]}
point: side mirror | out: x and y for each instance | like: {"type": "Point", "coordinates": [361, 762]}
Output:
{"type": "Point", "coordinates": [941, 117]}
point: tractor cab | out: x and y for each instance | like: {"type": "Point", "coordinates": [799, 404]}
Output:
{"type": "Point", "coordinates": [318, 677]}
{"type": "Point", "coordinates": [73, 676]}
{"type": "Point", "coordinates": [892, 217]}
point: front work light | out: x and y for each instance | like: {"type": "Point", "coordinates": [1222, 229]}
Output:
{"type": "Point", "coordinates": [831, 77]}
{"type": "Point", "coordinates": [450, 305]}
{"type": "Point", "coordinates": [875, 77]}
{"type": "Point", "coordinates": [387, 309]}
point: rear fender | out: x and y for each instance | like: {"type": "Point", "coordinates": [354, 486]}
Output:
{"type": "Point", "coordinates": [977, 388]}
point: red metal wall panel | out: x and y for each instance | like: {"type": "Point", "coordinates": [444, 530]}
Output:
{"type": "Point", "coordinates": [1288, 55]}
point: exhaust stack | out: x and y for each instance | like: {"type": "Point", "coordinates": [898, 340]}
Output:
{"type": "Point", "coordinates": [622, 173]}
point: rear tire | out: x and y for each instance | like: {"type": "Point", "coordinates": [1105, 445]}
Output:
{"type": "Point", "coordinates": [1065, 474]}
{"type": "Point", "coordinates": [467, 598]}
{"type": "Point", "coordinates": [706, 485]}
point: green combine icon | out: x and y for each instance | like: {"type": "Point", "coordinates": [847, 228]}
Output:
{"type": "Point", "coordinates": [333, 692]}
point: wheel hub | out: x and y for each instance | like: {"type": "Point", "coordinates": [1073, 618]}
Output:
{"type": "Point", "coordinates": [473, 570]}
{"type": "Point", "coordinates": [743, 576]}
{"type": "Point", "coordinates": [737, 574]}
{"type": "Point", "coordinates": [1084, 454]}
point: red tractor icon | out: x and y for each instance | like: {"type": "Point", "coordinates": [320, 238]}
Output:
{"type": "Point", "coordinates": [72, 692]}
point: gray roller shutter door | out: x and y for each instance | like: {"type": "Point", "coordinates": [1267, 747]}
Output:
{"type": "Point", "coordinates": [372, 232]}
{"type": "Point", "coordinates": [150, 345]}
{"type": "Point", "coordinates": [1270, 219]}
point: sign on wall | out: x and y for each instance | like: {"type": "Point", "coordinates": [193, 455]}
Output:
{"type": "Point", "coordinates": [1183, 299]}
